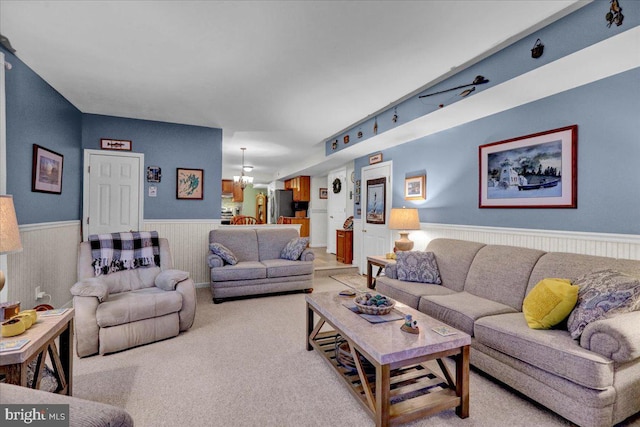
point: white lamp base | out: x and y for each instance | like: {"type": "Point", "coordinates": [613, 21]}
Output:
{"type": "Point", "coordinates": [403, 244]}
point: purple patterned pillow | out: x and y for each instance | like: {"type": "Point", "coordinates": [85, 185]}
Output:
{"type": "Point", "coordinates": [224, 253]}
{"type": "Point", "coordinates": [417, 266]}
{"type": "Point", "coordinates": [294, 248]}
{"type": "Point", "coordinates": [603, 294]}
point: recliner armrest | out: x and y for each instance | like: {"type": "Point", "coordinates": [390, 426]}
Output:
{"type": "Point", "coordinates": [92, 287]}
{"type": "Point", "coordinates": [168, 279]}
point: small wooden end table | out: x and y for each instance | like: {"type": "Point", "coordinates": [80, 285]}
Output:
{"type": "Point", "coordinates": [42, 341]}
{"type": "Point", "coordinates": [381, 262]}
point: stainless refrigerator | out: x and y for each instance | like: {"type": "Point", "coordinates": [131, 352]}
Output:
{"type": "Point", "coordinates": [281, 204]}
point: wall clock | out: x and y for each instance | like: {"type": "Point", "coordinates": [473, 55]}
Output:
{"type": "Point", "coordinates": [353, 176]}
{"type": "Point", "coordinates": [337, 185]}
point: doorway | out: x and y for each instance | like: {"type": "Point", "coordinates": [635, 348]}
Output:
{"type": "Point", "coordinates": [113, 192]}
{"type": "Point", "coordinates": [376, 237]}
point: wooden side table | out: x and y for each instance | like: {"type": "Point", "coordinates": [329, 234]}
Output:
{"type": "Point", "coordinates": [42, 341]}
{"type": "Point", "coordinates": [381, 262]}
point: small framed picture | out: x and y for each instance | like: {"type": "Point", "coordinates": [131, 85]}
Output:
{"type": "Point", "coordinates": [190, 184]}
{"type": "Point", "coordinates": [154, 174]}
{"type": "Point", "coordinates": [323, 193]}
{"type": "Point", "coordinates": [115, 144]}
{"type": "Point", "coordinates": [375, 158]}
{"type": "Point", "coordinates": [46, 171]}
{"type": "Point", "coordinates": [415, 188]}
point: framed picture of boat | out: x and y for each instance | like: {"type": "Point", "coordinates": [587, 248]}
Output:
{"type": "Point", "coordinates": [531, 171]}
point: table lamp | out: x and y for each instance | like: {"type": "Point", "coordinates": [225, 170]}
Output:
{"type": "Point", "coordinates": [9, 232]}
{"type": "Point", "coordinates": [404, 219]}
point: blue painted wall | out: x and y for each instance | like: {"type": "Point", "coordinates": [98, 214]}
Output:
{"type": "Point", "coordinates": [38, 114]}
{"type": "Point", "coordinates": [605, 111]}
{"type": "Point", "coordinates": [169, 146]}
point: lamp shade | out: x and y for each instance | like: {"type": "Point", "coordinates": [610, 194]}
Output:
{"type": "Point", "coordinates": [9, 232]}
{"type": "Point", "coordinates": [404, 219]}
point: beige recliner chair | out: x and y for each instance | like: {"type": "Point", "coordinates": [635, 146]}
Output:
{"type": "Point", "coordinates": [129, 308]}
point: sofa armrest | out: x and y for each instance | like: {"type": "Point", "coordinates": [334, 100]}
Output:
{"type": "Point", "coordinates": [87, 331]}
{"type": "Point", "coordinates": [187, 313]}
{"type": "Point", "coordinates": [92, 287]}
{"type": "Point", "coordinates": [214, 261]}
{"type": "Point", "coordinates": [307, 255]}
{"type": "Point", "coordinates": [168, 279]}
{"type": "Point", "coordinates": [391, 271]}
{"type": "Point", "coordinates": [617, 338]}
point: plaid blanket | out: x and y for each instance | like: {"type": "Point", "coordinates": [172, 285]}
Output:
{"type": "Point", "coordinates": [124, 251]}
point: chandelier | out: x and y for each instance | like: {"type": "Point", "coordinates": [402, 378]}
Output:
{"type": "Point", "coordinates": [243, 179]}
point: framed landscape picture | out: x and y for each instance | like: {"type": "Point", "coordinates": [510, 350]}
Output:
{"type": "Point", "coordinates": [46, 171]}
{"type": "Point", "coordinates": [376, 203]}
{"type": "Point", "coordinates": [415, 188]}
{"type": "Point", "coordinates": [532, 171]}
{"type": "Point", "coordinates": [190, 184]}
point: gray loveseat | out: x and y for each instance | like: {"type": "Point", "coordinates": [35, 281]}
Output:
{"type": "Point", "coordinates": [259, 269]}
{"type": "Point", "coordinates": [593, 381]}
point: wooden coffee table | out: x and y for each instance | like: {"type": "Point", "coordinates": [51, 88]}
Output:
{"type": "Point", "coordinates": [395, 386]}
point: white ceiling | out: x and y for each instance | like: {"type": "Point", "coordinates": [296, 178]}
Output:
{"type": "Point", "coordinates": [279, 77]}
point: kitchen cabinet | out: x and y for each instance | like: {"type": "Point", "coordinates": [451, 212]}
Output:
{"type": "Point", "coordinates": [233, 188]}
{"type": "Point", "coordinates": [227, 186]}
{"type": "Point", "coordinates": [304, 224]}
{"type": "Point", "coordinates": [238, 192]}
{"type": "Point", "coordinates": [301, 186]}
{"type": "Point", "coordinates": [344, 246]}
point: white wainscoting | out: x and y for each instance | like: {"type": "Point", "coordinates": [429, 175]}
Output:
{"type": "Point", "coordinates": [48, 259]}
{"type": "Point", "coordinates": [625, 246]}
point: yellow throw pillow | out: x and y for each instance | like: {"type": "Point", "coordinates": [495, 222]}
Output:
{"type": "Point", "coordinates": [549, 303]}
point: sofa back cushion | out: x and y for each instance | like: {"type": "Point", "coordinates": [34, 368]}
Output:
{"type": "Point", "coordinates": [454, 257]}
{"type": "Point", "coordinates": [241, 241]}
{"type": "Point", "coordinates": [501, 273]}
{"type": "Point", "coordinates": [271, 241]}
{"type": "Point", "coordinates": [573, 266]}
{"type": "Point", "coordinates": [127, 280]}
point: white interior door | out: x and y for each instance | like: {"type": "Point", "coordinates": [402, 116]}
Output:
{"type": "Point", "coordinates": [376, 238]}
{"type": "Point", "coordinates": [113, 192]}
{"type": "Point", "coordinates": [336, 206]}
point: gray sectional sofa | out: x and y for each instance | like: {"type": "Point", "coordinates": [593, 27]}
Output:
{"type": "Point", "coordinates": [593, 381]}
{"type": "Point", "coordinates": [260, 269]}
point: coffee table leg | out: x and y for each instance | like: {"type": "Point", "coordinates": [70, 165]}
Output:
{"type": "Point", "coordinates": [462, 382]}
{"type": "Point", "coordinates": [309, 326]}
{"type": "Point", "coordinates": [383, 384]}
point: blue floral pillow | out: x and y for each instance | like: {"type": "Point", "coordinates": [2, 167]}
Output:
{"type": "Point", "coordinates": [603, 294]}
{"type": "Point", "coordinates": [224, 253]}
{"type": "Point", "coordinates": [294, 248]}
{"type": "Point", "coordinates": [417, 266]}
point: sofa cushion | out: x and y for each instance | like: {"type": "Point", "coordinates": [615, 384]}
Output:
{"type": "Point", "coordinates": [243, 242]}
{"type": "Point", "coordinates": [454, 258]}
{"type": "Point", "coordinates": [461, 309]}
{"type": "Point", "coordinates": [127, 307]}
{"type": "Point", "coordinates": [549, 303]}
{"type": "Point", "coordinates": [243, 270]}
{"type": "Point", "coordinates": [550, 350]}
{"type": "Point", "coordinates": [271, 241]}
{"type": "Point", "coordinates": [603, 294]}
{"type": "Point", "coordinates": [223, 252]}
{"type": "Point", "coordinates": [294, 248]}
{"type": "Point", "coordinates": [284, 267]}
{"type": "Point", "coordinates": [417, 266]}
{"type": "Point", "coordinates": [501, 273]}
{"type": "Point", "coordinates": [408, 293]}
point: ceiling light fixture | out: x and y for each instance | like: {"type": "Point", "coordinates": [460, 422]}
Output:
{"type": "Point", "coordinates": [243, 179]}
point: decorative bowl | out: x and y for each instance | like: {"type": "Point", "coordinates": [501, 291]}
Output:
{"type": "Point", "coordinates": [372, 309]}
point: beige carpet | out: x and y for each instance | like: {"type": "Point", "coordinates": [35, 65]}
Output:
{"type": "Point", "coordinates": [356, 281]}
{"type": "Point", "coordinates": [244, 363]}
